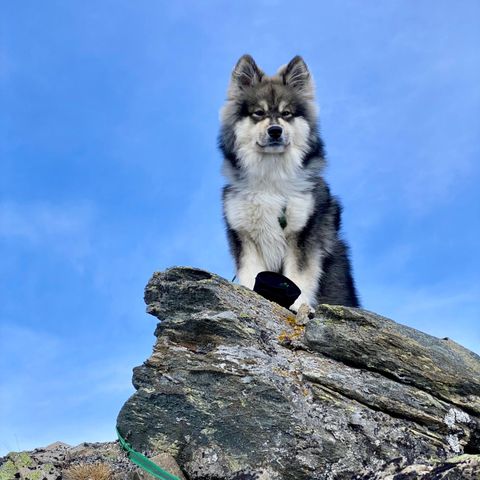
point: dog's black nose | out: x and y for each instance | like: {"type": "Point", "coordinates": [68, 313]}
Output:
{"type": "Point", "coordinates": [275, 131]}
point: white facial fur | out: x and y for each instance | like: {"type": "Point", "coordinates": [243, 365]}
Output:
{"type": "Point", "coordinates": [280, 162]}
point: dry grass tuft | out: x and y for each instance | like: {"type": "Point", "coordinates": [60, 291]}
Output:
{"type": "Point", "coordinates": [96, 471]}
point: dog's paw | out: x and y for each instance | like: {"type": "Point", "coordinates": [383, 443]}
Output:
{"type": "Point", "coordinates": [301, 306]}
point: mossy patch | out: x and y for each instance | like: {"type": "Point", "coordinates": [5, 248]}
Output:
{"type": "Point", "coordinates": [21, 459]}
{"type": "Point", "coordinates": [48, 467]}
{"type": "Point", "coordinates": [15, 462]}
{"type": "Point", "coordinates": [162, 444]}
{"type": "Point", "coordinates": [8, 470]}
{"type": "Point", "coordinates": [36, 475]}
{"type": "Point", "coordinates": [464, 458]}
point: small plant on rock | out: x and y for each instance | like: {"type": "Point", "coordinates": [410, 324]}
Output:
{"type": "Point", "coordinates": [96, 471]}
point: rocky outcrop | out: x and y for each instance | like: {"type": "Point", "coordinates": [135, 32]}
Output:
{"type": "Point", "coordinates": [240, 388]}
{"type": "Point", "coordinates": [87, 461]}
{"type": "Point", "coordinates": [56, 461]}
{"type": "Point", "coordinates": [106, 461]}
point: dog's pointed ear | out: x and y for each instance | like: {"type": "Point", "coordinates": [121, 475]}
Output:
{"type": "Point", "coordinates": [245, 74]}
{"type": "Point", "coordinates": [297, 76]}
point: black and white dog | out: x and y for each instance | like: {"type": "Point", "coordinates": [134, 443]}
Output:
{"type": "Point", "coordinates": [279, 212]}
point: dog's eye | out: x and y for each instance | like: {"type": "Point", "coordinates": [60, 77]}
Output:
{"type": "Point", "coordinates": [258, 113]}
{"type": "Point", "coordinates": [286, 114]}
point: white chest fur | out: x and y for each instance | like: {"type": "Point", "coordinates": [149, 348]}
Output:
{"type": "Point", "coordinates": [254, 213]}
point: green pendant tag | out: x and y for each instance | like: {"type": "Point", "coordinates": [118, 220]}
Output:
{"type": "Point", "coordinates": [282, 219]}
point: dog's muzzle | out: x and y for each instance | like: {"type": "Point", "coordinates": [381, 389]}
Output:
{"type": "Point", "coordinates": [274, 140]}
{"type": "Point", "coordinates": [275, 133]}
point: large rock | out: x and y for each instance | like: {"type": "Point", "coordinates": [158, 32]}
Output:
{"type": "Point", "coordinates": [239, 388]}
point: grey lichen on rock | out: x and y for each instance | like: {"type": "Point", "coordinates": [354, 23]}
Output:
{"type": "Point", "coordinates": [59, 461]}
{"type": "Point", "coordinates": [237, 388]}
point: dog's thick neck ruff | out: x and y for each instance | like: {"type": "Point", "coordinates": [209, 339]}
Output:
{"type": "Point", "coordinates": [282, 174]}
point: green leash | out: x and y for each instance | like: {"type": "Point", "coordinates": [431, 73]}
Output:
{"type": "Point", "coordinates": [143, 462]}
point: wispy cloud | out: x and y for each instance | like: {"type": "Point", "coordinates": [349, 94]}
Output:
{"type": "Point", "coordinates": [65, 230]}
{"type": "Point", "coordinates": [39, 374]}
{"type": "Point", "coordinates": [439, 177]}
{"type": "Point", "coordinates": [439, 310]}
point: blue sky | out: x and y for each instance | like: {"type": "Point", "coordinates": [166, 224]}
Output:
{"type": "Point", "coordinates": [109, 171]}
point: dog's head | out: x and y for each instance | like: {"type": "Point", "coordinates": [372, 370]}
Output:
{"type": "Point", "coordinates": [269, 116]}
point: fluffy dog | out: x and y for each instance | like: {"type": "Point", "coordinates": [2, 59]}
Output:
{"type": "Point", "coordinates": [278, 209]}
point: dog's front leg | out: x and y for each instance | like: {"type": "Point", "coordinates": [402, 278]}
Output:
{"type": "Point", "coordinates": [251, 263]}
{"type": "Point", "coordinates": [305, 270]}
